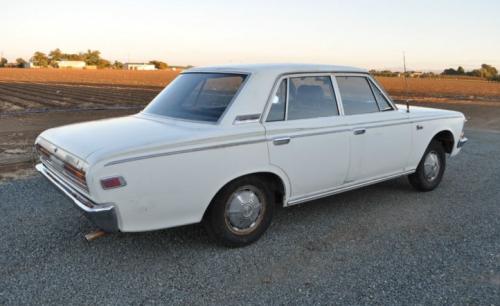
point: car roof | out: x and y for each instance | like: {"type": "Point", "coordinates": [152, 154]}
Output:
{"type": "Point", "coordinates": [277, 69]}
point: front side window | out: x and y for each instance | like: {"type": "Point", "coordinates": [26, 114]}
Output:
{"type": "Point", "coordinates": [278, 104]}
{"type": "Point", "coordinates": [383, 104]}
{"type": "Point", "coordinates": [197, 96]}
{"type": "Point", "coordinates": [311, 97]}
{"type": "Point", "coordinates": [357, 96]}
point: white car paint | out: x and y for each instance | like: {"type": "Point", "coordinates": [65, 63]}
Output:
{"type": "Point", "coordinates": [173, 168]}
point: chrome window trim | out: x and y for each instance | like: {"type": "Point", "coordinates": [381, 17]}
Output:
{"type": "Point", "coordinates": [372, 86]}
{"type": "Point", "coordinates": [288, 76]}
{"type": "Point", "coordinates": [382, 90]}
{"type": "Point", "coordinates": [370, 78]}
{"type": "Point", "coordinates": [287, 97]}
{"type": "Point", "coordinates": [366, 78]}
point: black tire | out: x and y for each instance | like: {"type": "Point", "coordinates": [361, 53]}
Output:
{"type": "Point", "coordinates": [428, 180]}
{"type": "Point", "coordinates": [219, 225]}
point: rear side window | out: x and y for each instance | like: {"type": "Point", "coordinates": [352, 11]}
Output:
{"type": "Point", "coordinates": [311, 97]}
{"type": "Point", "coordinates": [278, 106]}
{"type": "Point", "coordinates": [357, 96]}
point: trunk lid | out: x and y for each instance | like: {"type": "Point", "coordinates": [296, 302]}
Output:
{"type": "Point", "coordinates": [120, 134]}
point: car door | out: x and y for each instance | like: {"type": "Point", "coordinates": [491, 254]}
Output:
{"type": "Point", "coordinates": [381, 135]}
{"type": "Point", "coordinates": [306, 137]}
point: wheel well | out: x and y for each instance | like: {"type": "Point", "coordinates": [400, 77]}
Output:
{"type": "Point", "coordinates": [277, 186]}
{"type": "Point", "coordinates": [446, 139]}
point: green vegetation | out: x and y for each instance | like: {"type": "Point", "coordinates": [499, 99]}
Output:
{"type": "Point", "coordinates": [40, 59]}
{"type": "Point", "coordinates": [159, 64]}
{"type": "Point", "coordinates": [20, 62]}
{"type": "Point", "coordinates": [486, 71]}
{"type": "Point", "coordinates": [3, 62]}
{"type": "Point", "coordinates": [384, 73]}
{"type": "Point", "coordinates": [91, 58]}
{"type": "Point", "coordinates": [117, 65]}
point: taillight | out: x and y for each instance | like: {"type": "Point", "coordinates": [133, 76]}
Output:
{"type": "Point", "coordinates": [76, 173]}
{"type": "Point", "coordinates": [42, 151]}
{"type": "Point", "coordinates": [113, 182]}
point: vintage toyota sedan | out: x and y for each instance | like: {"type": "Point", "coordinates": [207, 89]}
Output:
{"type": "Point", "coordinates": [225, 145]}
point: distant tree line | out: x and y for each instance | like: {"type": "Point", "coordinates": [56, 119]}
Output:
{"type": "Point", "coordinates": [486, 72]}
{"type": "Point", "coordinates": [91, 58]}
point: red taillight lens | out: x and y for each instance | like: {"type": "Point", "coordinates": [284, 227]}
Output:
{"type": "Point", "coordinates": [113, 182]}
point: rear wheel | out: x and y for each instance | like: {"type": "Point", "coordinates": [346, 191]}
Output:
{"type": "Point", "coordinates": [431, 168]}
{"type": "Point", "coordinates": [241, 212]}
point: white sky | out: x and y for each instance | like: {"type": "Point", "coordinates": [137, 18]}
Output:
{"type": "Point", "coordinates": [371, 34]}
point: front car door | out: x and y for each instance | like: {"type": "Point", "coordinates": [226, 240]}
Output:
{"type": "Point", "coordinates": [381, 134]}
{"type": "Point", "coordinates": [307, 137]}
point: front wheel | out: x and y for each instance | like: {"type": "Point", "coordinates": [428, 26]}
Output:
{"type": "Point", "coordinates": [241, 212]}
{"type": "Point", "coordinates": [431, 168]}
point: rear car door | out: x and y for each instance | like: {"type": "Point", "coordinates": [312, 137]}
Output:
{"type": "Point", "coordinates": [306, 137]}
{"type": "Point", "coordinates": [381, 135]}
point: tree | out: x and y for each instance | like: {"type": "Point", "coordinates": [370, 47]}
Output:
{"type": "Point", "coordinates": [102, 63]}
{"type": "Point", "coordinates": [20, 62]}
{"type": "Point", "coordinates": [117, 65]}
{"type": "Point", "coordinates": [449, 71]}
{"type": "Point", "coordinates": [460, 70]}
{"type": "Point", "coordinates": [488, 71]}
{"type": "Point", "coordinates": [92, 58]}
{"type": "Point", "coordinates": [3, 62]}
{"type": "Point", "coordinates": [40, 59]}
{"type": "Point", "coordinates": [56, 55]}
{"type": "Point", "coordinates": [159, 64]}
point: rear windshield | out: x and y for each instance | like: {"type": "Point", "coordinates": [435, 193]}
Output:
{"type": "Point", "coordinates": [197, 96]}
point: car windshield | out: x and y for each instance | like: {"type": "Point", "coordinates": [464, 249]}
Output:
{"type": "Point", "coordinates": [197, 96]}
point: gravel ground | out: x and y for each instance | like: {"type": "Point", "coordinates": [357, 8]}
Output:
{"type": "Point", "coordinates": [384, 244]}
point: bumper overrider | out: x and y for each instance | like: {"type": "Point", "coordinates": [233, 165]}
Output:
{"type": "Point", "coordinates": [102, 215]}
{"type": "Point", "coordinates": [463, 140]}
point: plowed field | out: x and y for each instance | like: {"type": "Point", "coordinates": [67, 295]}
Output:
{"type": "Point", "coordinates": [32, 100]}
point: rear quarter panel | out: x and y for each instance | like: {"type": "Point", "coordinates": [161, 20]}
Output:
{"type": "Point", "coordinates": [176, 189]}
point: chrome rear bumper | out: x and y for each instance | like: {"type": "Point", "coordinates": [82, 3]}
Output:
{"type": "Point", "coordinates": [462, 141]}
{"type": "Point", "coordinates": [102, 215]}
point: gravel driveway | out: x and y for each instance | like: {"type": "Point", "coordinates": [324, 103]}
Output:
{"type": "Point", "coordinates": [384, 244]}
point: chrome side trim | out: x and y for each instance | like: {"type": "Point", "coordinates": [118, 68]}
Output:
{"type": "Point", "coordinates": [321, 133]}
{"type": "Point", "coordinates": [226, 145]}
{"type": "Point", "coordinates": [266, 139]}
{"type": "Point", "coordinates": [344, 188]}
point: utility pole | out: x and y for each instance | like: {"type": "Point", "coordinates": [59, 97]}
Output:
{"type": "Point", "coordinates": [406, 83]}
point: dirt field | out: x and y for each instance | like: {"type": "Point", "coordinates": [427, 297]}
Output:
{"type": "Point", "coordinates": [32, 100]}
{"type": "Point", "coordinates": [158, 78]}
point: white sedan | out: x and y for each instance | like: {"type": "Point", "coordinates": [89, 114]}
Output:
{"type": "Point", "coordinates": [224, 145]}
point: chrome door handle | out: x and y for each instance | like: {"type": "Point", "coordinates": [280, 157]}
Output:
{"type": "Point", "coordinates": [281, 141]}
{"type": "Point", "coordinates": [359, 131]}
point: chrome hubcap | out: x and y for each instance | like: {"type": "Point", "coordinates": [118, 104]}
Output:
{"type": "Point", "coordinates": [431, 166]}
{"type": "Point", "coordinates": [244, 209]}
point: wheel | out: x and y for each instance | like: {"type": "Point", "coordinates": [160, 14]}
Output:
{"type": "Point", "coordinates": [431, 168]}
{"type": "Point", "coordinates": [241, 212]}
